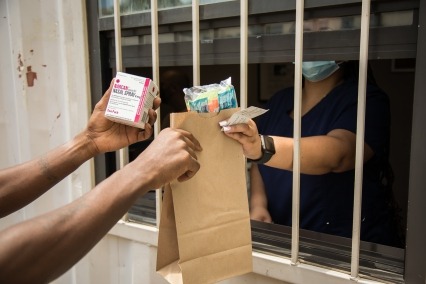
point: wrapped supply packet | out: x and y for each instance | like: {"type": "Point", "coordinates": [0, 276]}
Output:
{"type": "Point", "coordinates": [211, 98]}
{"type": "Point", "coordinates": [243, 116]}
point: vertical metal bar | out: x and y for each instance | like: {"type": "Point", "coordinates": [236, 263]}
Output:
{"type": "Point", "coordinates": [359, 156]}
{"type": "Point", "coordinates": [155, 54]}
{"type": "Point", "coordinates": [123, 154]}
{"type": "Point", "coordinates": [297, 131]}
{"type": "Point", "coordinates": [117, 34]}
{"type": "Point", "coordinates": [196, 42]}
{"type": "Point", "coordinates": [243, 52]}
{"type": "Point", "coordinates": [97, 81]}
{"type": "Point", "coordinates": [156, 79]}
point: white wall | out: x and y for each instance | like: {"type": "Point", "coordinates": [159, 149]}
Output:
{"type": "Point", "coordinates": [48, 37]}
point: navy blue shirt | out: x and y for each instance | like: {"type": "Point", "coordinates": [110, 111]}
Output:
{"type": "Point", "coordinates": [326, 201]}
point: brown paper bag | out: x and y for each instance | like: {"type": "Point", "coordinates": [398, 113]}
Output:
{"type": "Point", "coordinates": [204, 233]}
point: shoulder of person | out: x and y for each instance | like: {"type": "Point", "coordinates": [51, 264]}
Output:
{"type": "Point", "coordinates": [286, 93]}
{"type": "Point", "coordinates": [352, 86]}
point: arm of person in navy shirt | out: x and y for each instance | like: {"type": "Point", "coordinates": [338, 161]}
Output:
{"type": "Point", "coordinates": [258, 200]}
{"type": "Point", "coordinates": [334, 152]}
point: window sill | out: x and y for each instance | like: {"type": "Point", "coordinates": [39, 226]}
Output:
{"type": "Point", "coordinates": [145, 234]}
{"type": "Point", "coordinates": [270, 266]}
{"type": "Point", "coordinates": [281, 268]}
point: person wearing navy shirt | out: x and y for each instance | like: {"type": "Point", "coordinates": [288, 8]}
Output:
{"type": "Point", "coordinates": [328, 131]}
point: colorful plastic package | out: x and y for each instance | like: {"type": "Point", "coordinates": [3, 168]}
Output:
{"type": "Point", "coordinates": [211, 98]}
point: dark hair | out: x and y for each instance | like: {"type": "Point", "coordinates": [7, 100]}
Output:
{"type": "Point", "coordinates": [351, 71]}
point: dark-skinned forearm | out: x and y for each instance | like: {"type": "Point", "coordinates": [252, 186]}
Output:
{"type": "Point", "coordinates": [21, 184]}
{"type": "Point", "coordinates": [49, 245]}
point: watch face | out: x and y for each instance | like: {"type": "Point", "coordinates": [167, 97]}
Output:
{"type": "Point", "coordinates": [262, 141]}
{"type": "Point", "coordinates": [268, 149]}
{"type": "Point", "coordinates": [268, 144]}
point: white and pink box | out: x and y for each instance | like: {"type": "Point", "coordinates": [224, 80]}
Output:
{"type": "Point", "coordinates": [131, 98]}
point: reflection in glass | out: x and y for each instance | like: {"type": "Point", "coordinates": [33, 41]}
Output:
{"type": "Point", "coordinates": [312, 25]}
{"type": "Point", "coordinates": [106, 7]}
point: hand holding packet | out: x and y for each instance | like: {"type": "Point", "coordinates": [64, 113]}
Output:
{"type": "Point", "coordinates": [211, 98]}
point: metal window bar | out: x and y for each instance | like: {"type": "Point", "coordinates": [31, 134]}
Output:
{"type": "Point", "coordinates": [359, 156]}
{"type": "Point", "coordinates": [243, 52]}
{"type": "Point", "coordinates": [156, 78]}
{"type": "Point", "coordinates": [122, 154]}
{"type": "Point", "coordinates": [196, 42]}
{"type": "Point", "coordinates": [297, 131]}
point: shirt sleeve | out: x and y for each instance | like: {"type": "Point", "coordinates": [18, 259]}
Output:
{"type": "Point", "coordinates": [377, 117]}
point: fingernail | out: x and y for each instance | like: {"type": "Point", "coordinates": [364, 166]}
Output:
{"type": "Point", "coordinates": [226, 128]}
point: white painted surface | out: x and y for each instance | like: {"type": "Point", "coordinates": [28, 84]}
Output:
{"type": "Point", "coordinates": [49, 37]}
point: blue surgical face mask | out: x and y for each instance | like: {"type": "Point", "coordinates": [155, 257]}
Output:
{"type": "Point", "coordinates": [315, 71]}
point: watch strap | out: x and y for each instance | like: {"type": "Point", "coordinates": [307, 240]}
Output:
{"type": "Point", "coordinates": [268, 149]}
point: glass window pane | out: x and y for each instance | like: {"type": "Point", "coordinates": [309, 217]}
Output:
{"type": "Point", "coordinates": [282, 28]}
{"type": "Point", "coordinates": [106, 7]}
{"type": "Point", "coordinates": [144, 209]}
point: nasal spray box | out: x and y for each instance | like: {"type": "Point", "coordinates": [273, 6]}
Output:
{"type": "Point", "coordinates": [131, 98]}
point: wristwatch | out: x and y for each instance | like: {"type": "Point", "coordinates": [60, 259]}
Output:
{"type": "Point", "coordinates": [267, 147]}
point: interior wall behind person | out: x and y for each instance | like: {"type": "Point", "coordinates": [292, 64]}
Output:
{"type": "Point", "coordinates": [216, 73]}
{"type": "Point", "coordinates": [210, 74]}
{"type": "Point", "coordinates": [398, 82]}
{"type": "Point", "coordinates": [44, 93]}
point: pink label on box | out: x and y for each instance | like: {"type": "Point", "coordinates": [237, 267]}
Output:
{"type": "Point", "coordinates": [142, 100]}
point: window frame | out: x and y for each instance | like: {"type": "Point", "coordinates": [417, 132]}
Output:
{"type": "Point", "coordinates": [415, 271]}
